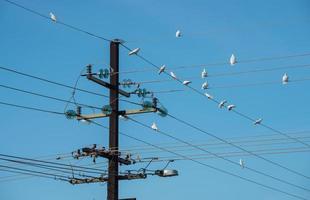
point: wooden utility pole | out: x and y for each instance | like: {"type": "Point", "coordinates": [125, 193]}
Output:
{"type": "Point", "coordinates": [113, 132]}
{"type": "Point", "coordinates": [113, 155]}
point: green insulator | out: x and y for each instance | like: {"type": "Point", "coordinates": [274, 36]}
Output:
{"type": "Point", "coordinates": [147, 105]}
{"type": "Point", "coordinates": [70, 114]}
{"type": "Point", "coordinates": [144, 92]}
{"type": "Point", "coordinates": [162, 111]}
{"type": "Point", "coordinates": [104, 73]}
{"type": "Point", "coordinates": [107, 109]}
{"type": "Point", "coordinates": [139, 92]}
{"type": "Point", "coordinates": [129, 82]}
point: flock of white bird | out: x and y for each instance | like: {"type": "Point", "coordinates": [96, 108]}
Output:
{"type": "Point", "coordinates": [204, 86]}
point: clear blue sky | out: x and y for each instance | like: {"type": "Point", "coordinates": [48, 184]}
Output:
{"type": "Point", "coordinates": [212, 30]}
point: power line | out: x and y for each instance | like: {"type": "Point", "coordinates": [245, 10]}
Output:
{"type": "Point", "coordinates": [61, 84]}
{"type": "Point", "coordinates": [58, 22]}
{"type": "Point", "coordinates": [228, 74]}
{"type": "Point", "coordinates": [140, 70]}
{"type": "Point", "coordinates": [209, 146]}
{"type": "Point", "coordinates": [52, 176]}
{"type": "Point", "coordinates": [221, 157]}
{"type": "Point", "coordinates": [235, 154]}
{"type": "Point", "coordinates": [36, 172]}
{"type": "Point", "coordinates": [52, 167]}
{"type": "Point", "coordinates": [185, 157]}
{"type": "Point", "coordinates": [216, 101]}
{"type": "Point", "coordinates": [233, 86]}
{"type": "Point", "coordinates": [53, 163]}
{"type": "Point", "coordinates": [236, 139]}
{"type": "Point", "coordinates": [50, 81]}
{"type": "Point", "coordinates": [206, 165]}
{"type": "Point", "coordinates": [52, 112]}
{"type": "Point", "coordinates": [19, 177]}
{"type": "Point", "coordinates": [236, 146]}
{"type": "Point", "coordinates": [46, 96]}
{"type": "Point", "coordinates": [31, 108]}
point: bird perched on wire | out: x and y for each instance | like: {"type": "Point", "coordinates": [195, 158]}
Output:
{"type": "Point", "coordinates": [232, 60]}
{"type": "Point", "coordinates": [186, 82]}
{"type": "Point", "coordinates": [178, 34]}
{"type": "Point", "coordinates": [230, 107]}
{"type": "Point", "coordinates": [53, 17]}
{"type": "Point", "coordinates": [162, 69]}
{"type": "Point", "coordinates": [222, 103]}
{"type": "Point", "coordinates": [204, 73]}
{"type": "Point", "coordinates": [209, 96]}
{"type": "Point", "coordinates": [241, 163]}
{"type": "Point", "coordinates": [154, 126]}
{"type": "Point", "coordinates": [205, 85]}
{"type": "Point", "coordinates": [258, 121]}
{"type": "Point", "coordinates": [285, 79]}
{"type": "Point", "coordinates": [134, 52]}
{"type": "Point", "coordinates": [173, 75]}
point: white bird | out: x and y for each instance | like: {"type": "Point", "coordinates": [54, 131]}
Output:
{"type": "Point", "coordinates": [204, 73]}
{"type": "Point", "coordinates": [154, 126]}
{"type": "Point", "coordinates": [186, 82]}
{"type": "Point", "coordinates": [138, 158]}
{"type": "Point", "coordinates": [232, 60]}
{"type": "Point", "coordinates": [209, 96]}
{"type": "Point", "coordinates": [230, 107]}
{"type": "Point", "coordinates": [85, 121]}
{"type": "Point", "coordinates": [162, 69]}
{"type": "Point", "coordinates": [53, 17]}
{"type": "Point", "coordinates": [123, 117]}
{"type": "Point", "coordinates": [241, 163]}
{"type": "Point", "coordinates": [285, 79]}
{"type": "Point", "coordinates": [173, 75]}
{"type": "Point", "coordinates": [135, 51]}
{"type": "Point", "coordinates": [222, 103]}
{"type": "Point", "coordinates": [205, 85]}
{"type": "Point", "coordinates": [178, 34]}
{"type": "Point", "coordinates": [258, 121]}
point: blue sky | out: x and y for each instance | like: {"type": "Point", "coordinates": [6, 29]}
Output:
{"type": "Point", "coordinates": [212, 31]}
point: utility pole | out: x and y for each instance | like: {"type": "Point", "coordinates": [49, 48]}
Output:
{"type": "Point", "coordinates": [113, 121]}
{"type": "Point", "coordinates": [112, 111]}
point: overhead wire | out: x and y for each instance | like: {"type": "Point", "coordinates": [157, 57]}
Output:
{"type": "Point", "coordinates": [277, 151]}
{"type": "Point", "coordinates": [210, 146]}
{"type": "Point", "coordinates": [35, 172]}
{"type": "Point", "coordinates": [269, 187]}
{"type": "Point", "coordinates": [206, 165]}
{"type": "Point", "coordinates": [212, 167]}
{"type": "Point", "coordinates": [221, 157]}
{"type": "Point", "coordinates": [237, 146]}
{"type": "Point", "coordinates": [236, 139]}
{"type": "Point", "coordinates": [230, 86]}
{"type": "Point", "coordinates": [48, 97]}
{"type": "Point", "coordinates": [138, 70]}
{"type": "Point", "coordinates": [259, 70]}
{"type": "Point", "coordinates": [51, 176]}
{"type": "Point", "coordinates": [62, 84]}
{"type": "Point", "coordinates": [52, 163]}
{"type": "Point", "coordinates": [216, 101]}
{"type": "Point", "coordinates": [293, 171]}
{"type": "Point", "coordinates": [75, 28]}
{"type": "Point", "coordinates": [52, 166]}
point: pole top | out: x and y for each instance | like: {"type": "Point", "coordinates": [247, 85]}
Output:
{"type": "Point", "coordinates": [120, 41]}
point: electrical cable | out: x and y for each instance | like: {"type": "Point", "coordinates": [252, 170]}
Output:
{"type": "Point", "coordinates": [46, 96]}
{"type": "Point", "coordinates": [216, 101]}
{"type": "Point", "coordinates": [221, 157]}
{"type": "Point", "coordinates": [212, 167]}
{"type": "Point", "coordinates": [57, 22]}
{"type": "Point", "coordinates": [206, 165]}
